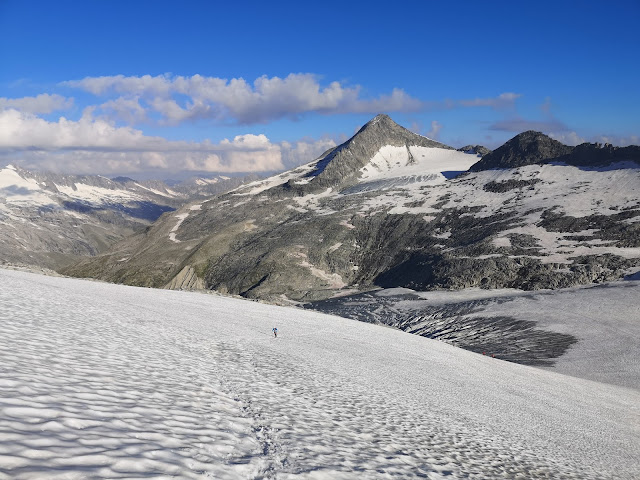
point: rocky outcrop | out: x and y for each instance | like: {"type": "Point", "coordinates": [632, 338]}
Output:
{"type": "Point", "coordinates": [598, 155]}
{"type": "Point", "coordinates": [185, 280]}
{"type": "Point", "coordinates": [479, 150]}
{"type": "Point", "coordinates": [527, 148]}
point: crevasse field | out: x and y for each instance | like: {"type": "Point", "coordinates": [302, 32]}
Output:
{"type": "Point", "coordinates": [108, 381]}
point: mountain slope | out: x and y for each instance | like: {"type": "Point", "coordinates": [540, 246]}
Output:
{"type": "Point", "coordinates": [189, 385]}
{"type": "Point", "coordinates": [50, 220]}
{"type": "Point", "coordinates": [400, 215]}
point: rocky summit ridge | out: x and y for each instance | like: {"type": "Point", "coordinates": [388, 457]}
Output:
{"type": "Point", "coordinates": [531, 147]}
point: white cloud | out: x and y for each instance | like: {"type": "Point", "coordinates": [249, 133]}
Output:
{"type": "Point", "coordinates": [504, 100]}
{"type": "Point", "coordinates": [127, 109]}
{"type": "Point", "coordinates": [568, 138]}
{"type": "Point", "coordinates": [178, 99]}
{"type": "Point", "coordinates": [435, 130]}
{"type": "Point", "coordinates": [303, 151]}
{"type": "Point", "coordinates": [23, 131]}
{"type": "Point", "coordinates": [119, 83]}
{"type": "Point", "coordinates": [94, 145]}
{"type": "Point", "coordinates": [43, 103]}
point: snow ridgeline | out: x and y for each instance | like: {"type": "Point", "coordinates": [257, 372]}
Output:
{"type": "Point", "coordinates": [106, 381]}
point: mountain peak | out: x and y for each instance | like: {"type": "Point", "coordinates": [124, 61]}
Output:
{"type": "Point", "coordinates": [526, 148]}
{"type": "Point", "coordinates": [380, 118]}
{"type": "Point", "coordinates": [343, 164]}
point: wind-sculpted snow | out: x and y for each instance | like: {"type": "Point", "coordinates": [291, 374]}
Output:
{"type": "Point", "coordinates": [107, 381]}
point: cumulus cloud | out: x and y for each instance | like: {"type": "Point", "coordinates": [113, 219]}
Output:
{"type": "Point", "coordinates": [127, 109]}
{"type": "Point", "coordinates": [304, 150]}
{"type": "Point", "coordinates": [502, 101]}
{"type": "Point", "coordinates": [435, 130]}
{"type": "Point", "coordinates": [94, 145]}
{"type": "Point", "coordinates": [178, 99]}
{"type": "Point", "coordinates": [568, 138]}
{"type": "Point", "coordinates": [43, 103]}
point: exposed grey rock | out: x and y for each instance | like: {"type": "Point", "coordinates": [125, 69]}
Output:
{"type": "Point", "coordinates": [479, 150]}
{"type": "Point", "coordinates": [526, 148]}
{"type": "Point", "coordinates": [511, 184]}
{"type": "Point", "coordinates": [185, 280]}
{"type": "Point", "coordinates": [531, 147]}
{"type": "Point", "coordinates": [596, 154]}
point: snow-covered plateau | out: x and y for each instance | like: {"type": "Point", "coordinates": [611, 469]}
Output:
{"type": "Point", "coordinates": [110, 381]}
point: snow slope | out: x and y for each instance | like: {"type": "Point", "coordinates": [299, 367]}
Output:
{"type": "Point", "coordinates": [107, 381]}
{"type": "Point", "coordinates": [591, 332]}
{"type": "Point", "coordinates": [394, 162]}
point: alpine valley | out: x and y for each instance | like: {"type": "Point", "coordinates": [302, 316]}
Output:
{"type": "Point", "coordinates": [49, 220]}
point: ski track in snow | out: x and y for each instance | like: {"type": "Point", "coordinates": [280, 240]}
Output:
{"type": "Point", "coordinates": [107, 381]}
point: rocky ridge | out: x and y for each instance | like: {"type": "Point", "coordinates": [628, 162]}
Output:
{"type": "Point", "coordinates": [479, 150]}
{"type": "Point", "coordinates": [530, 148]}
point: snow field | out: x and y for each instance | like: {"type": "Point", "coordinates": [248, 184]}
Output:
{"type": "Point", "coordinates": [392, 162]}
{"type": "Point", "coordinates": [107, 381]}
{"type": "Point", "coordinates": [21, 191]}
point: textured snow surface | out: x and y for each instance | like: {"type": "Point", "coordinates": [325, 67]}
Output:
{"type": "Point", "coordinates": [107, 381]}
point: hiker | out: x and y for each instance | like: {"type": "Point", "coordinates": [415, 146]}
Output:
{"type": "Point", "coordinates": [275, 331]}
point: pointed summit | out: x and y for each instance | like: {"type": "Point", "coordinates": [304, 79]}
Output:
{"type": "Point", "coordinates": [343, 164]}
{"type": "Point", "coordinates": [526, 148]}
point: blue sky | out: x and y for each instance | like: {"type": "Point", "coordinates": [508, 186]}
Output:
{"type": "Point", "coordinates": [154, 88]}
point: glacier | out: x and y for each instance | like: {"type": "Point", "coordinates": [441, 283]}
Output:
{"type": "Point", "coordinates": [110, 381]}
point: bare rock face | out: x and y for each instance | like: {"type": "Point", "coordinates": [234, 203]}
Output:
{"type": "Point", "coordinates": [478, 150]}
{"type": "Point", "coordinates": [596, 154]}
{"type": "Point", "coordinates": [185, 280]}
{"type": "Point", "coordinates": [389, 208]}
{"type": "Point", "coordinates": [527, 148]}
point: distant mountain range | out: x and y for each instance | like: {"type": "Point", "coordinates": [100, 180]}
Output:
{"type": "Point", "coordinates": [50, 220]}
{"type": "Point", "coordinates": [389, 208]}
